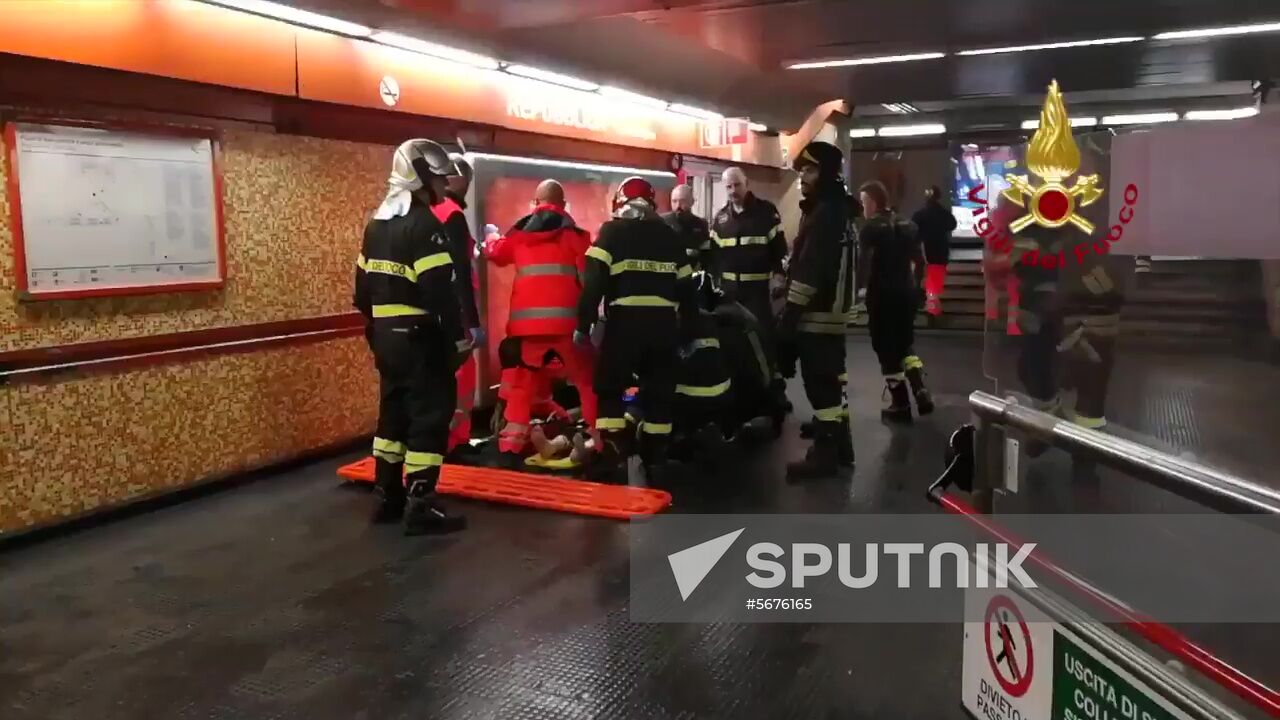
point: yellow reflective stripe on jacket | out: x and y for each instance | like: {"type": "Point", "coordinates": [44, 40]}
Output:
{"type": "Point", "coordinates": [746, 277]}
{"type": "Point", "coordinates": [823, 323]}
{"type": "Point", "coordinates": [644, 301]}
{"type": "Point", "coordinates": [831, 414]}
{"type": "Point", "coordinates": [599, 253]}
{"type": "Point", "coordinates": [822, 328]}
{"type": "Point", "coordinates": [643, 266]}
{"type": "Point", "coordinates": [430, 262]}
{"type": "Point", "coordinates": [796, 298]}
{"type": "Point", "coordinates": [741, 240]}
{"type": "Point", "coordinates": [802, 288]}
{"type": "Point", "coordinates": [415, 461]}
{"type": "Point", "coordinates": [684, 272]}
{"type": "Point", "coordinates": [655, 428]}
{"type": "Point", "coordinates": [387, 267]}
{"type": "Point", "coordinates": [705, 391]}
{"type": "Point", "coordinates": [360, 261]}
{"type": "Point", "coordinates": [393, 310]}
{"type": "Point", "coordinates": [391, 446]}
{"type": "Point", "coordinates": [706, 343]}
{"type": "Point", "coordinates": [773, 232]}
{"type": "Point", "coordinates": [607, 423]}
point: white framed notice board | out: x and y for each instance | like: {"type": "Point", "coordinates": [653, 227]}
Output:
{"type": "Point", "coordinates": [101, 210]}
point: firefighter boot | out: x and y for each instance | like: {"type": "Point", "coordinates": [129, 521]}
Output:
{"type": "Point", "coordinates": [924, 400]}
{"type": "Point", "coordinates": [899, 408]}
{"type": "Point", "coordinates": [424, 515]}
{"type": "Point", "coordinates": [823, 457]}
{"type": "Point", "coordinates": [806, 428]}
{"type": "Point", "coordinates": [654, 458]}
{"type": "Point", "coordinates": [778, 391]}
{"type": "Point", "coordinates": [388, 483]}
{"type": "Point", "coordinates": [845, 444]}
{"type": "Point", "coordinates": [603, 465]}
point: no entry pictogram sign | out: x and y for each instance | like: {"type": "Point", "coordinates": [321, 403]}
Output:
{"type": "Point", "coordinates": [1009, 645]}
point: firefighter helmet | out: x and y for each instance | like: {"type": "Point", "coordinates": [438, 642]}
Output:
{"type": "Point", "coordinates": [635, 188]}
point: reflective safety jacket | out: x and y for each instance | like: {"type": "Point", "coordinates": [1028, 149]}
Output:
{"type": "Point", "coordinates": [462, 246]}
{"type": "Point", "coordinates": [549, 254]}
{"type": "Point", "coordinates": [695, 233]}
{"type": "Point", "coordinates": [703, 372]}
{"type": "Point", "coordinates": [748, 246]}
{"type": "Point", "coordinates": [638, 264]}
{"type": "Point", "coordinates": [404, 273]}
{"type": "Point", "coordinates": [820, 276]}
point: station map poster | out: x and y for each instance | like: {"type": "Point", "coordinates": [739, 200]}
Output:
{"type": "Point", "coordinates": [103, 211]}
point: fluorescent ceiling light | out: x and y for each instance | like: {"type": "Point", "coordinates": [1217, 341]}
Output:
{"type": "Point", "coordinates": [628, 96]}
{"type": "Point", "coordinates": [1219, 32]}
{"type": "Point", "coordinates": [862, 132]}
{"type": "Point", "coordinates": [757, 127]}
{"type": "Point", "coordinates": [296, 16]}
{"type": "Point", "coordinates": [1052, 46]}
{"type": "Point", "coordinates": [405, 42]}
{"type": "Point", "coordinates": [551, 77]}
{"type": "Point", "coordinates": [1075, 122]}
{"type": "Point", "coordinates": [1140, 119]}
{"type": "Point", "coordinates": [568, 164]}
{"type": "Point", "coordinates": [808, 65]}
{"type": "Point", "coordinates": [901, 108]}
{"type": "Point", "coordinates": [694, 112]}
{"type": "Point", "coordinates": [1233, 114]}
{"type": "Point", "coordinates": [908, 130]}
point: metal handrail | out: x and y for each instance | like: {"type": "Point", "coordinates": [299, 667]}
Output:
{"type": "Point", "coordinates": [1205, 485]}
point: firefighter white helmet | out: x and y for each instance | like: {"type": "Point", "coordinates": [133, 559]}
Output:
{"type": "Point", "coordinates": [412, 164]}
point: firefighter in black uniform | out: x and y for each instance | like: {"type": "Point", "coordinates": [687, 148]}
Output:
{"type": "Point", "coordinates": [639, 268]}
{"type": "Point", "coordinates": [891, 269]}
{"type": "Point", "coordinates": [404, 289]}
{"type": "Point", "coordinates": [692, 229]}
{"type": "Point", "coordinates": [747, 250]}
{"type": "Point", "coordinates": [811, 327]}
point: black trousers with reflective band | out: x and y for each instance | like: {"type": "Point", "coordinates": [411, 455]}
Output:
{"type": "Point", "coordinates": [418, 394]}
{"type": "Point", "coordinates": [754, 296]}
{"type": "Point", "coordinates": [891, 323]}
{"type": "Point", "coordinates": [640, 349]}
{"type": "Point", "coordinates": [822, 365]}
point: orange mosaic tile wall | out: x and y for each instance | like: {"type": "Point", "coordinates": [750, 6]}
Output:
{"type": "Point", "coordinates": [295, 209]}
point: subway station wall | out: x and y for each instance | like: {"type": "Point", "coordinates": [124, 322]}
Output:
{"type": "Point", "coordinates": [295, 209]}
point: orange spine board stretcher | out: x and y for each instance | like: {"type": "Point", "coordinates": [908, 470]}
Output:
{"type": "Point", "coordinates": [620, 502]}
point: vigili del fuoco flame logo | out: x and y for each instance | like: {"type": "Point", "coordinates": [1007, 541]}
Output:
{"type": "Point", "coordinates": [1053, 157]}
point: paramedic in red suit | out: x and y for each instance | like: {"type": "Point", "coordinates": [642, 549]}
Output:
{"type": "Point", "coordinates": [549, 254]}
{"type": "Point", "coordinates": [450, 211]}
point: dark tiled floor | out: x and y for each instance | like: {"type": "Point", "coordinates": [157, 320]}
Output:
{"type": "Point", "coordinates": [276, 600]}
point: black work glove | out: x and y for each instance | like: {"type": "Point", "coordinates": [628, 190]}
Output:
{"type": "Point", "coordinates": [785, 340]}
{"type": "Point", "coordinates": [787, 356]}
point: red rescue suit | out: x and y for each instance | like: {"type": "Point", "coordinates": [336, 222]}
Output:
{"type": "Point", "coordinates": [549, 254]}
{"type": "Point", "coordinates": [450, 214]}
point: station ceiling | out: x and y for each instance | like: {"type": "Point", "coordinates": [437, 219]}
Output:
{"type": "Point", "coordinates": [730, 55]}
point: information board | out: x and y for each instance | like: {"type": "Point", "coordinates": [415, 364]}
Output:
{"type": "Point", "coordinates": [1020, 665]}
{"type": "Point", "coordinates": [102, 211]}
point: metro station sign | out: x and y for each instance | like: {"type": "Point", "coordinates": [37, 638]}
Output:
{"type": "Point", "coordinates": [719, 133]}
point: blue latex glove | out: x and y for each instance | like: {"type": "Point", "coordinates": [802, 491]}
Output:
{"type": "Point", "coordinates": [478, 336]}
{"type": "Point", "coordinates": [581, 339]}
{"type": "Point", "coordinates": [490, 229]}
